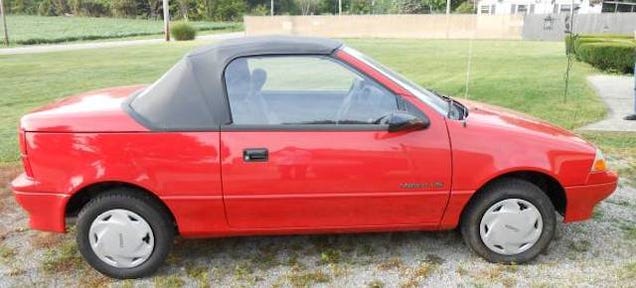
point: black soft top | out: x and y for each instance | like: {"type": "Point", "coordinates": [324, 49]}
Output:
{"type": "Point", "coordinates": [191, 95]}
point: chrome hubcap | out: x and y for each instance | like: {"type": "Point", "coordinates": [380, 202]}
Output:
{"type": "Point", "coordinates": [121, 238]}
{"type": "Point", "coordinates": [511, 226]}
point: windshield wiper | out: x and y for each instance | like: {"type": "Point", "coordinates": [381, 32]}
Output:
{"type": "Point", "coordinates": [464, 114]}
{"type": "Point", "coordinates": [451, 105]}
{"type": "Point", "coordinates": [451, 102]}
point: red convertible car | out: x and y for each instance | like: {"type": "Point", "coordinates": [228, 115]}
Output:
{"type": "Point", "coordinates": [285, 135]}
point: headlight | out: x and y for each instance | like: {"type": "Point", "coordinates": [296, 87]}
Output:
{"type": "Point", "coordinates": [599, 162]}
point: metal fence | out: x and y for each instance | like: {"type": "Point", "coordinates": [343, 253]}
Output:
{"type": "Point", "coordinates": [551, 27]}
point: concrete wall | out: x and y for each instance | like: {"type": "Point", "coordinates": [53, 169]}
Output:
{"type": "Point", "coordinates": [528, 27]}
{"type": "Point", "coordinates": [390, 26]}
{"type": "Point", "coordinates": [614, 23]}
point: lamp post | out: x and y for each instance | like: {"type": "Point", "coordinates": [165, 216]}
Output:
{"type": "Point", "coordinates": [271, 8]}
{"type": "Point", "coordinates": [633, 116]}
{"type": "Point", "coordinates": [166, 19]}
{"type": "Point", "coordinates": [4, 24]}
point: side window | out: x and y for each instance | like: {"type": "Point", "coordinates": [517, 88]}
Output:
{"type": "Point", "coordinates": [280, 90]}
{"type": "Point", "coordinates": [411, 109]}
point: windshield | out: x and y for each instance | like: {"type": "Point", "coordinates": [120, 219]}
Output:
{"type": "Point", "coordinates": [428, 97]}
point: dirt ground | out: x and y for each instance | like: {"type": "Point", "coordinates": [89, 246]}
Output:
{"type": "Point", "coordinates": [599, 252]}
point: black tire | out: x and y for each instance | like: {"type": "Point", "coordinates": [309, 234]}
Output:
{"type": "Point", "coordinates": [509, 188]}
{"type": "Point", "coordinates": [145, 206]}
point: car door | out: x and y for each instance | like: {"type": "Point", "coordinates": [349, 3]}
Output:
{"type": "Point", "coordinates": [304, 150]}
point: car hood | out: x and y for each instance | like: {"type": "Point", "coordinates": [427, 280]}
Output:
{"type": "Point", "coordinates": [517, 123]}
{"type": "Point", "coordinates": [94, 111]}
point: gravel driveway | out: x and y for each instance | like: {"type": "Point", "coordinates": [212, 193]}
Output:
{"type": "Point", "coordinates": [600, 252]}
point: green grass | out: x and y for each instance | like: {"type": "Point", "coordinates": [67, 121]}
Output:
{"type": "Point", "coordinates": [62, 259]}
{"type": "Point", "coordinates": [199, 274]}
{"type": "Point", "coordinates": [621, 150]}
{"type": "Point", "coordinates": [307, 279]}
{"type": "Point", "coordinates": [628, 272]}
{"type": "Point", "coordinates": [6, 253]}
{"type": "Point", "coordinates": [32, 80]}
{"type": "Point", "coordinates": [375, 284]}
{"type": "Point", "coordinates": [330, 256]}
{"type": "Point", "coordinates": [169, 281]}
{"type": "Point", "coordinates": [26, 30]}
{"type": "Point", "coordinates": [526, 76]}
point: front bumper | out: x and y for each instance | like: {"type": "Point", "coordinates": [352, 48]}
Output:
{"type": "Point", "coordinates": [46, 210]}
{"type": "Point", "coordinates": [582, 199]}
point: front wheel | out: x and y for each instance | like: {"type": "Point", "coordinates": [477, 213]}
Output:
{"type": "Point", "coordinates": [511, 221]}
{"type": "Point", "coordinates": [124, 235]}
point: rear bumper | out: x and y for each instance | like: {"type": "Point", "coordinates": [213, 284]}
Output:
{"type": "Point", "coordinates": [46, 210]}
{"type": "Point", "coordinates": [582, 199]}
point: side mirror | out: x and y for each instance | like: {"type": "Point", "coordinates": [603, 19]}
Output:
{"type": "Point", "coordinates": [402, 121]}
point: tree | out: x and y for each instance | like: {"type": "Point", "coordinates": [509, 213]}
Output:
{"type": "Point", "coordinates": [327, 7]}
{"type": "Point", "coordinates": [436, 6]}
{"type": "Point", "coordinates": [124, 8]}
{"type": "Point", "coordinates": [184, 7]}
{"type": "Point", "coordinates": [408, 7]}
{"type": "Point", "coordinates": [360, 6]}
{"type": "Point", "coordinates": [287, 7]}
{"type": "Point", "coordinates": [230, 10]}
{"type": "Point", "coordinates": [465, 8]}
{"type": "Point", "coordinates": [45, 8]}
{"type": "Point", "coordinates": [308, 7]}
{"type": "Point", "coordinates": [151, 8]}
{"type": "Point", "coordinates": [16, 7]}
{"type": "Point", "coordinates": [259, 10]}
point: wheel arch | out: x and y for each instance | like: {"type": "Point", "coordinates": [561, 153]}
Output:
{"type": "Point", "coordinates": [547, 183]}
{"type": "Point", "coordinates": [80, 198]}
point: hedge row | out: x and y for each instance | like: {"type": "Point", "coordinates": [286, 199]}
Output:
{"type": "Point", "coordinates": [612, 56]}
{"type": "Point", "coordinates": [606, 52]}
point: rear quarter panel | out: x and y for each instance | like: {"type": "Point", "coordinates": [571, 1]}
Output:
{"type": "Point", "coordinates": [182, 169]}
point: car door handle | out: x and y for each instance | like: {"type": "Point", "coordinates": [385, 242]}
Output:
{"type": "Point", "coordinates": [255, 155]}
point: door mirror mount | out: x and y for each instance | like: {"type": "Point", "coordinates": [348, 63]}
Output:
{"type": "Point", "coordinates": [402, 121]}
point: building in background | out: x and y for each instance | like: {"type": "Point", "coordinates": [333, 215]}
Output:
{"type": "Point", "coordinates": [613, 6]}
{"type": "Point", "coordinates": [500, 7]}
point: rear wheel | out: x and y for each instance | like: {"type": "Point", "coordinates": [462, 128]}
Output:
{"type": "Point", "coordinates": [511, 221]}
{"type": "Point", "coordinates": [124, 235]}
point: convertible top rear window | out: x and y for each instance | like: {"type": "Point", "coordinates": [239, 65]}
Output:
{"type": "Point", "coordinates": [174, 102]}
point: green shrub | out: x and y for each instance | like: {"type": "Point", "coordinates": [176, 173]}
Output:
{"type": "Point", "coordinates": [584, 40]}
{"type": "Point", "coordinates": [612, 52]}
{"type": "Point", "coordinates": [183, 31]}
{"type": "Point", "coordinates": [607, 36]}
{"type": "Point", "coordinates": [611, 56]}
{"type": "Point", "coordinates": [578, 41]}
{"type": "Point", "coordinates": [572, 42]}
